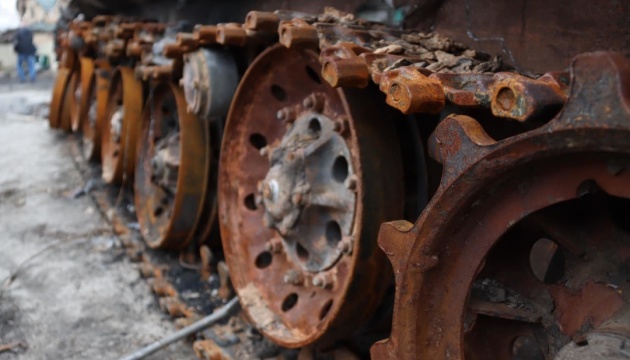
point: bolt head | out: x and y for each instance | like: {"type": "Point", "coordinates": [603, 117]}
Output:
{"type": "Point", "coordinates": [351, 182]}
{"type": "Point", "coordinates": [293, 277]}
{"type": "Point", "coordinates": [323, 280]}
{"type": "Point", "coordinates": [274, 245]}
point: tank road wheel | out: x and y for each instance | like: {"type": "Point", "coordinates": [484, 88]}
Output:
{"type": "Point", "coordinates": [121, 126]}
{"type": "Point", "coordinates": [56, 103]}
{"type": "Point", "coordinates": [94, 107]}
{"type": "Point", "coordinates": [209, 80]}
{"type": "Point", "coordinates": [171, 169]}
{"type": "Point", "coordinates": [77, 94]}
{"type": "Point", "coordinates": [67, 104]}
{"type": "Point", "coordinates": [307, 173]}
{"type": "Point", "coordinates": [523, 251]}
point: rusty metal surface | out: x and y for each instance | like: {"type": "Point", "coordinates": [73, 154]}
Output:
{"type": "Point", "coordinates": [281, 108]}
{"type": "Point", "coordinates": [121, 126]}
{"type": "Point", "coordinates": [68, 103]}
{"type": "Point", "coordinates": [209, 79]}
{"type": "Point", "coordinates": [465, 277]}
{"type": "Point", "coordinates": [534, 35]}
{"type": "Point", "coordinates": [56, 103]}
{"type": "Point", "coordinates": [171, 169]}
{"type": "Point", "coordinates": [96, 90]}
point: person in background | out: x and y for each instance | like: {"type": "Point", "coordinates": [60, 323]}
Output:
{"type": "Point", "coordinates": [25, 50]}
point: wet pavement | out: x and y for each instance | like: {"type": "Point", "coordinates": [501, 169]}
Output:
{"type": "Point", "coordinates": [67, 291]}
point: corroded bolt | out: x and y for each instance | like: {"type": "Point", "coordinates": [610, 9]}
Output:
{"type": "Point", "coordinates": [351, 72]}
{"type": "Point", "coordinates": [410, 91]}
{"type": "Point", "coordinates": [231, 34]}
{"type": "Point", "coordinates": [323, 280]}
{"type": "Point", "coordinates": [342, 125]}
{"type": "Point", "coordinates": [205, 34]}
{"type": "Point", "coordinates": [266, 191]}
{"type": "Point", "coordinates": [351, 182]}
{"type": "Point", "coordinates": [294, 277]}
{"type": "Point", "coordinates": [522, 98]}
{"type": "Point", "coordinates": [315, 102]}
{"type": "Point", "coordinates": [286, 114]}
{"type": "Point", "coordinates": [298, 32]}
{"type": "Point", "coordinates": [346, 245]}
{"type": "Point", "coordinates": [262, 21]}
{"type": "Point", "coordinates": [186, 39]}
{"type": "Point", "coordinates": [274, 245]}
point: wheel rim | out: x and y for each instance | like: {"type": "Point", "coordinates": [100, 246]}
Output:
{"type": "Point", "coordinates": [76, 96]}
{"type": "Point", "coordinates": [67, 104]}
{"type": "Point", "coordinates": [171, 169]}
{"type": "Point", "coordinates": [293, 274]}
{"type": "Point", "coordinates": [54, 118]}
{"type": "Point", "coordinates": [89, 110]}
{"type": "Point", "coordinates": [464, 265]}
{"type": "Point", "coordinates": [121, 126]}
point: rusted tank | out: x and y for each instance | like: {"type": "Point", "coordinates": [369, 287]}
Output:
{"type": "Point", "coordinates": [373, 190]}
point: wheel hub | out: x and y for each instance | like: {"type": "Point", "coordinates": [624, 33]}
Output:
{"type": "Point", "coordinates": [305, 195]}
{"type": "Point", "coordinates": [165, 163]}
{"type": "Point", "coordinates": [116, 124]}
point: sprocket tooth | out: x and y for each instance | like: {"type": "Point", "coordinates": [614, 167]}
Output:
{"type": "Point", "coordinates": [396, 239]}
{"type": "Point", "coordinates": [458, 142]}
{"type": "Point", "coordinates": [600, 92]}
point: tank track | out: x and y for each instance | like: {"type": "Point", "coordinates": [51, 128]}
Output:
{"type": "Point", "coordinates": [301, 246]}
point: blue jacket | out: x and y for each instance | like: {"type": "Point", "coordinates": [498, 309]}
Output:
{"type": "Point", "coordinates": [24, 42]}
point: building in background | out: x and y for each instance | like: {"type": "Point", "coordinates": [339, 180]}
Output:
{"type": "Point", "coordinates": [41, 16]}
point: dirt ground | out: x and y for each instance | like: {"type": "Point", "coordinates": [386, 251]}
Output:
{"type": "Point", "coordinates": [67, 291]}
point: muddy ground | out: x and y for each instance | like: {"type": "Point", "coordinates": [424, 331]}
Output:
{"type": "Point", "coordinates": [67, 291]}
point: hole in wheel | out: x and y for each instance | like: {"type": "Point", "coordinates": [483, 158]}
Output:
{"type": "Point", "coordinates": [313, 75]}
{"type": "Point", "coordinates": [333, 233]}
{"type": "Point", "coordinates": [546, 261]}
{"type": "Point", "coordinates": [278, 93]}
{"type": "Point", "coordinates": [263, 260]}
{"type": "Point", "coordinates": [526, 348]}
{"type": "Point", "coordinates": [250, 202]}
{"type": "Point", "coordinates": [258, 141]}
{"type": "Point", "coordinates": [302, 253]}
{"type": "Point", "coordinates": [325, 309]}
{"type": "Point", "coordinates": [158, 211]}
{"type": "Point", "coordinates": [340, 169]}
{"type": "Point", "coordinates": [314, 126]}
{"type": "Point", "coordinates": [289, 302]}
